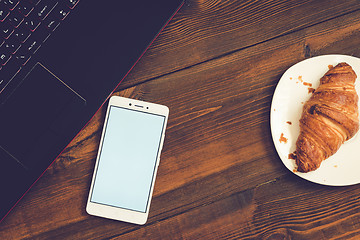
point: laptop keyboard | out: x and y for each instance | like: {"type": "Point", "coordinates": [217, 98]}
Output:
{"type": "Point", "coordinates": [25, 25]}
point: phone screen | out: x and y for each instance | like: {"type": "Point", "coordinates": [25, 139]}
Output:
{"type": "Point", "coordinates": [127, 160]}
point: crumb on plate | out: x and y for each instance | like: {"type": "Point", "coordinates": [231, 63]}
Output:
{"type": "Point", "coordinates": [282, 138]}
{"type": "Point", "coordinates": [311, 90]}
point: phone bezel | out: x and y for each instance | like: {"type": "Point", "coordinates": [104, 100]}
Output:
{"type": "Point", "coordinates": [116, 213]}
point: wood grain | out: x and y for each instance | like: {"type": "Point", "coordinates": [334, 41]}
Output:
{"type": "Point", "coordinates": [216, 66]}
{"type": "Point", "coordinates": [205, 30]}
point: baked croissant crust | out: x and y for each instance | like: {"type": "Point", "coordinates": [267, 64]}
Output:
{"type": "Point", "coordinates": [329, 118]}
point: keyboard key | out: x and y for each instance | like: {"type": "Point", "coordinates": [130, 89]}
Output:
{"type": "Point", "coordinates": [61, 11]}
{"type": "Point", "coordinates": [15, 18]}
{"type": "Point", "coordinates": [4, 56]}
{"type": "Point", "coordinates": [72, 3]}
{"type": "Point", "coordinates": [12, 45]}
{"type": "Point", "coordinates": [22, 56]}
{"type": "Point", "coordinates": [6, 30]}
{"type": "Point", "coordinates": [4, 12]}
{"type": "Point", "coordinates": [32, 45]}
{"type": "Point", "coordinates": [51, 23]}
{"type": "Point", "coordinates": [25, 8]}
{"type": "Point", "coordinates": [44, 8]}
{"type": "Point", "coordinates": [11, 4]}
{"type": "Point", "coordinates": [22, 33]}
{"type": "Point", "coordinates": [32, 21]}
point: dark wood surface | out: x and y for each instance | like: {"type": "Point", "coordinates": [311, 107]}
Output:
{"type": "Point", "coordinates": [215, 66]}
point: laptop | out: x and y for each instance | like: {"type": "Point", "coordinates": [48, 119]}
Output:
{"type": "Point", "coordinates": [59, 62]}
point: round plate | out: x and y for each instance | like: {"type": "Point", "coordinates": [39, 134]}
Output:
{"type": "Point", "coordinates": [292, 91]}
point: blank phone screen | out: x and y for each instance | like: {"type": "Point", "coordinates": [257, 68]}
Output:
{"type": "Point", "coordinates": [127, 159]}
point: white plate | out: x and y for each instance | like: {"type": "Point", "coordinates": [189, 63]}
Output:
{"type": "Point", "coordinates": [341, 169]}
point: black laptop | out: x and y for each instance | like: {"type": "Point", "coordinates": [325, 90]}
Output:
{"type": "Point", "coordinates": [59, 61]}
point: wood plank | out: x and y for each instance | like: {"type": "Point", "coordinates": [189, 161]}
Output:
{"type": "Point", "coordinates": [213, 148]}
{"type": "Point", "coordinates": [205, 30]}
{"type": "Point", "coordinates": [285, 208]}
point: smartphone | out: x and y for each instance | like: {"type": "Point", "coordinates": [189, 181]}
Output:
{"type": "Point", "coordinates": [127, 160]}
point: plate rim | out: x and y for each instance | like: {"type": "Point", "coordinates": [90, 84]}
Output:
{"type": "Point", "coordinates": [341, 57]}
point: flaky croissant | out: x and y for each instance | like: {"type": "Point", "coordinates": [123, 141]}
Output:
{"type": "Point", "coordinates": [329, 118]}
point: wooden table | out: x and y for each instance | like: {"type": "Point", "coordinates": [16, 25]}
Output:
{"type": "Point", "coordinates": [216, 66]}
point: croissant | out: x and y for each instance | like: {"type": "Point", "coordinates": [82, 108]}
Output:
{"type": "Point", "coordinates": [329, 118]}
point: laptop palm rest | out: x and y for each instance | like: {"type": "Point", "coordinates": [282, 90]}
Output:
{"type": "Point", "coordinates": [38, 122]}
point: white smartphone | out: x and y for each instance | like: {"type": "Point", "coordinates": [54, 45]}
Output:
{"type": "Point", "coordinates": [127, 160]}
